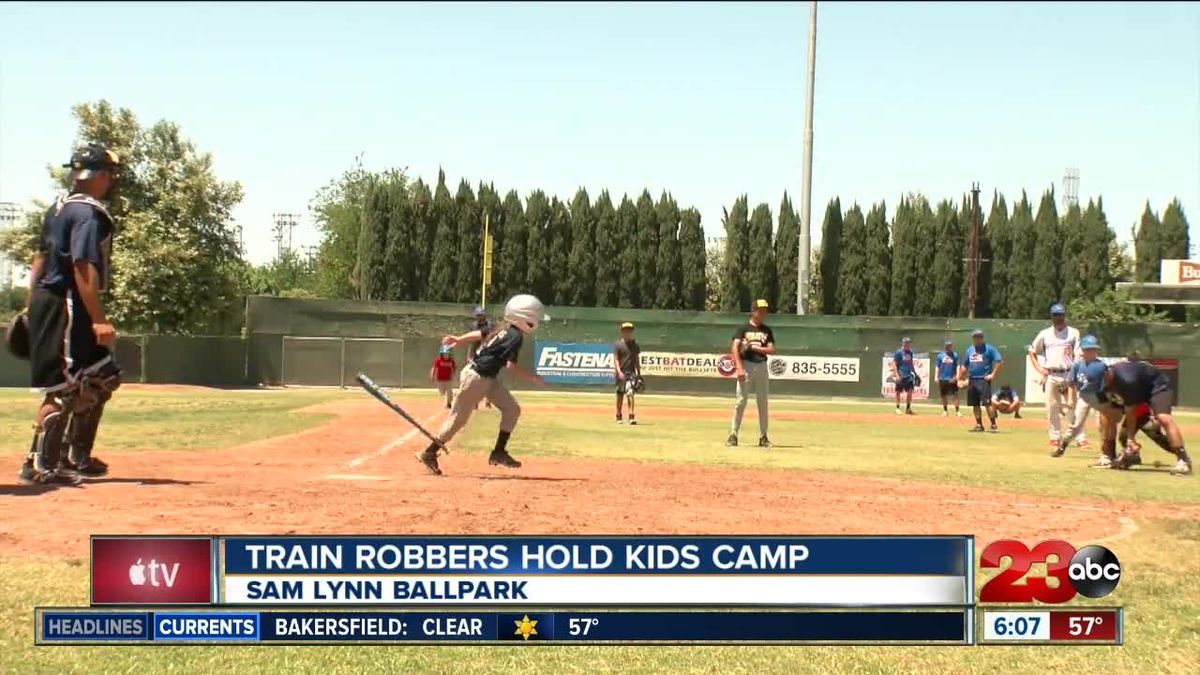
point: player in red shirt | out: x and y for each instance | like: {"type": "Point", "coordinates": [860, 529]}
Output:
{"type": "Point", "coordinates": [442, 373]}
{"type": "Point", "coordinates": [1145, 424]}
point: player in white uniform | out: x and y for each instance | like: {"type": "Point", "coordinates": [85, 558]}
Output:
{"type": "Point", "coordinates": [1058, 346]}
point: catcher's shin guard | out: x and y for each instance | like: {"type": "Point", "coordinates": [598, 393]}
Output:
{"type": "Point", "coordinates": [47, 449]}
{"type": "Point", "coordinates": [82, 435]}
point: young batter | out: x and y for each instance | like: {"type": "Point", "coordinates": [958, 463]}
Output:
{"type": "Point", "coordinates": [498, 350]}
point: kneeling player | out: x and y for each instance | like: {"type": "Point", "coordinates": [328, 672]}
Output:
{"type": "Point", "coordinates": [1007, 402]}
{"type": "Point", "coordinates": [479, 380]}
{"type": "Point", "coordinates": [1117, 391]}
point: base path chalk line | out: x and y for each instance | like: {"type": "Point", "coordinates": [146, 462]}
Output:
{"type": "Point", "coordinates": [394, 444]}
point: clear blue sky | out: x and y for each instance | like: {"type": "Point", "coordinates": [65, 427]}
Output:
{"type": "Point", "coordinates": [705, 100]}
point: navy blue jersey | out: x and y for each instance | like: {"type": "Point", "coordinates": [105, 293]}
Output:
{"type": "Point", "coordinates": [903, 358]}
{"type": "Point", "coordinates": [498, 350]}
{"type": "Point", "coordinates": [947, 366]}
{"type": "Point", "coordinates": [1135, 382]}
{"type": "Point", "coordinates": [75, 228]}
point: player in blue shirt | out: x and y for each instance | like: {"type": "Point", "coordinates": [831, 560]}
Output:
{"type": "Point", "coordinates": [904, 375]}
{"type": "Point", "coordinates": [947, 369]}
{"type": "Point", "coordinates": [980, 365]}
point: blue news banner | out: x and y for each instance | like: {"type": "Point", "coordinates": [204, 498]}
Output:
{"type": "Point", "coordinates": [85, 626]}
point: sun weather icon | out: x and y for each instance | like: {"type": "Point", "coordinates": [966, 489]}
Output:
{"type": "Point", "coordinates": [526, 628]}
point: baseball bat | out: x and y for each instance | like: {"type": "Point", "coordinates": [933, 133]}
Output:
{"type": "Point", "coordinates": [374, 390]}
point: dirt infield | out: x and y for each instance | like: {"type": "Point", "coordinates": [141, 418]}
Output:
{"type": "Point", "coordinates": [353, 475]}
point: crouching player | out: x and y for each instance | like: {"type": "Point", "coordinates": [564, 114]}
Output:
{"type": "Point", "coordinates": [1006, 402]}
{"type": "Point", "coordinates": [1115, 392]}
{"type": "Point", "coordinates": [498, 350]}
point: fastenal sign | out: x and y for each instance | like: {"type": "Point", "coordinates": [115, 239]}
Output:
{"type": "Point", "coordinates": [1180, 272]}
{"type": "Point", "coordinates": [573, 363]}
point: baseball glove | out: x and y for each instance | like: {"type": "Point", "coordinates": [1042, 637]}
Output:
{"type": "Point", "coordinates": [639, 385]}
{"type": "Point", "coordinates": [16, 337]}
{"type": "Point", "coordinates": [916, 380]}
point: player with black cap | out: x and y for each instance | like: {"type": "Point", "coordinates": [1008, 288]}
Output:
{"type": "Point", "coordinates": [70, 336]}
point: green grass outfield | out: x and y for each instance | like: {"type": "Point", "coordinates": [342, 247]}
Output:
{"type": "Point", "coordinates": [1160, 590]}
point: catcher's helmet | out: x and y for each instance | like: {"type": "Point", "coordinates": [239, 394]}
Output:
{"type": "Point", "coordinates": [16, 337]}
{"type": "Point", "coordinates": [90, 159]}
{"type": "Point", "coordinates": [525, 312]}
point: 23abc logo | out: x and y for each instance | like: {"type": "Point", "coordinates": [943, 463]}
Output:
{"type": "Point", "coordinates": [1092, 571]}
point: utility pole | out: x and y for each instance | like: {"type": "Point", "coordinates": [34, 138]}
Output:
{"type": "Point", "coordinates": [806, 192]}
{"type": "Point", "coordinates": [973, 261]}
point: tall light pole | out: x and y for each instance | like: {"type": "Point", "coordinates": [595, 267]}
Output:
{"type": "Point", "coordinates": [806, 193]}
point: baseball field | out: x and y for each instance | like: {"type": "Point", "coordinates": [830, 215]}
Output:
{"type": "Point", "coordinates": [192, 460]}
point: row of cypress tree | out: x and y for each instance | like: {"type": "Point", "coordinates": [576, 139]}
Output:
{"type": "Point", "coordinates": [421, 244]}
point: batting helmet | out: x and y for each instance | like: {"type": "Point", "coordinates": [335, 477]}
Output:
{"type": "Point", "coordinates": [525, 312]}
{"type": "Point", "coordinates": [16, 337]}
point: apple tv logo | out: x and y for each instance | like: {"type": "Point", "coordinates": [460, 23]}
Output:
{"type": "Point", "coordinates": [153, 570]}
{"type": "Point", "coordinates": [137, 573]}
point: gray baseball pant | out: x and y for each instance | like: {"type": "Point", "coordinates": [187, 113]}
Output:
{"type": "Point", "coordinates": [758, 381]}
{"type": "Point", "coordinates": [473, 388]}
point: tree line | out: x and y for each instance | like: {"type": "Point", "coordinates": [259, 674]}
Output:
{"type": "Point", "coordinates": [1029, 259]}
{"type": "Point", "coordinates": [419, 242]}
{"type": "Point", "coordinates": [178, 265]}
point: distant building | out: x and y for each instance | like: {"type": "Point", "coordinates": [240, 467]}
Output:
{"type": "Point", "coordinates": [10, 272]}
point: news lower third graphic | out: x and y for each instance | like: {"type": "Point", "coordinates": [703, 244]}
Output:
{"type": "Point", "coordinates": [903, 590]}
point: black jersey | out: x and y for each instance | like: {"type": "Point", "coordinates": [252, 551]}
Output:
{"type": "Point", "coordinates": [757, 336]}
{"type": "Point", "coordinates": [497, 351]}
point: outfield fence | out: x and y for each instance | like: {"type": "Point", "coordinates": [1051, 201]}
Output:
{"type": "Point", "coordinates": [326, 342]}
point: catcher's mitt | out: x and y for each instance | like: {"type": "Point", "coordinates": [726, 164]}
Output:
{"type": "Point", "coordinates": [16, 337]}
{"type": "Point", "coordinates": [639, 385]}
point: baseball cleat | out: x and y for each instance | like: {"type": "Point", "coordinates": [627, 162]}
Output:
{"type": "Point", "coordinates": [92, 467]}
{"type": "Point", "coordinates": [1182, 468]}
{"type": "Point", "coordinates": [945, 413]}
{"type": "Point", "coordinates": [957, 413]}
{"type": "Point", "coordinates": [430, 462]}
{"type": "Point", "coordinates": [619, 420]}
{"type": "Point", "coordinates": [1103, 463]}
{"type": "Point", "coordinates": [1082, 443]}
{"type": "Point", "coordinates": [632, 422]}
{"type": "Point", "coordinates": [731, 441]}
{"type": "Point", "coordinates": [977, 429]}
{"type": "Point", "coordinates": [1126, 460]}
{"type": "Point", "coordinates": [993, 428]}
{"type": "Point", "coordinates": [764, 442]}
{"type": "Point", "coordinates": [899, 412]}
{"type": "Point", "coordinates": [31, 476]}
{"type": "Point", "coordinates": [1016, 416]}
{"type": "Point", "coordinates": [502, 458]}
{"type": "Point", "coordinates": [908, 411]}
{"type": "Point", "coordinates": [1059, 449]}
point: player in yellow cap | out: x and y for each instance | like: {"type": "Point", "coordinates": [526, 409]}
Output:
{"type": "Point", "coordinates": [753, 342]}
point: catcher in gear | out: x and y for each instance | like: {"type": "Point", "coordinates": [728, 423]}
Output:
{"type": "Point", "coordinates": [627, 370]}
{"type": "Point", "coordinates": [70, 337]}
{"type": "Point", "coordinates": [479, 379]}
